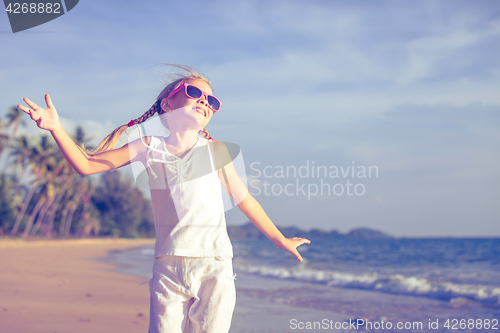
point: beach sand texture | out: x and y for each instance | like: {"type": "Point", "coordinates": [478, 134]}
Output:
{"type": "Point", "coordinates": [59, 286]}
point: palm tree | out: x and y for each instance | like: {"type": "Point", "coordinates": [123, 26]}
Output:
{"type": "Point", "coordinates": [42, 162]}
{"type": "Point", "coordinates": [40, 203]}
{"type": "Point", "coordinates": [15, 118]}
{"type": "Point", "coordinates": [47, 197]}
{"type": "Point", "coordinates": [69, 206]}
{"type": "Point", "coordinates": [51, 180]}
{"type": "Point", "coordinates": [91, 224]}
{"type": "Point", "coordinates": [64, 178]}
{"type": "Point", "coordinates": [80, 136]}
{"type": "Point", "coordinates": [21, 151]}
{"type": "Point", "coordinates": [7, 209]}
{"type": "Point", "coordinates": [77, 194]}
{"type": "Point", "coordinates": [4, 138]}
{"type": "Point", "coordinates": [48, 159]}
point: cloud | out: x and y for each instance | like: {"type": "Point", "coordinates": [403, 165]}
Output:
{"type": "Point", "coordinates": [409, 86]}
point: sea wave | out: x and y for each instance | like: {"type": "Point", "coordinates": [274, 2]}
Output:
{"type": "Point", "coordinates": [393, 284]}
{"type": "Point", "coordinates": [147, 252]}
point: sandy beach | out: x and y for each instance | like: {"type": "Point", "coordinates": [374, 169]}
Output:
{"type": "Point", "coordinates": [60, 286]}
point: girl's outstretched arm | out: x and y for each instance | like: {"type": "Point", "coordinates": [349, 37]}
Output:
{"type": "Point", "coordinates": [48, 119]}
{"type": "Point", "coordinates": [254, 211]}
{"type": "Point", "coordinates": [249, 206]}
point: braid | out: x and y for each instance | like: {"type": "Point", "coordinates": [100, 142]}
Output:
{"type": "Point", "coordinates": [154, 109]}
{"type": "Point", "coordinates": [109, 142]}
{"type": "Point", "coordinates": [205, 134]}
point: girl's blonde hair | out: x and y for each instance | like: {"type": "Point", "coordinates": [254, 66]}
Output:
{"type": "Point", "coordinates": [189, 74]}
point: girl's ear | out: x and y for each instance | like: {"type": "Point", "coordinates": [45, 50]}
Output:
{"type": "Point", "coordinates": [165, 105]}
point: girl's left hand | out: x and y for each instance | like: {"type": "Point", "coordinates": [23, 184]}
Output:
{"type": "Point", "coordinates": [291, 244]}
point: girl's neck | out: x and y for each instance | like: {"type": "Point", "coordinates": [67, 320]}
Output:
{"type": "Point", "coordinates": [179, 143]}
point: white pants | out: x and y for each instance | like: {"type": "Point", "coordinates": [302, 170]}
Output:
{"type": "Point", "coordinates": [195, 295]}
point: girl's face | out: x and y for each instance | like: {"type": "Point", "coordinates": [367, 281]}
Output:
{"type": "Point", "coordinates": [196, 108]}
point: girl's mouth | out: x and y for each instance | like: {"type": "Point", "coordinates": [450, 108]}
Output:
{"type": "Point", "coordinates": [201, 111]}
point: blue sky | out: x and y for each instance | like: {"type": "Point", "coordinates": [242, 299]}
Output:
{"type": "Point", "coordinates": [410, 87]}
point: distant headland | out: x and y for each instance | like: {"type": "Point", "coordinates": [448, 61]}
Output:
{"type": "Point", "coordinates": [249, 232]}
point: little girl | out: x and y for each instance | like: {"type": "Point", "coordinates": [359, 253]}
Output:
{"type": "Point", "coordinates": [192, 289]}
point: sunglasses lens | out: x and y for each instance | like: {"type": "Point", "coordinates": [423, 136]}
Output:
{"type": "Point", "coordinates": [196, 93]}
{"type": "Point", "coordinates": [214, 103]}
{"type": "Point", "coordinates": [193, 92]}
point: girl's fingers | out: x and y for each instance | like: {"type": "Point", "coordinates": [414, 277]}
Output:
{"type": "Point", "coordinates": [300, 242]}
{"type": "Point", "coordinates": [48, 100]}
{"type": "Point", "coordinates": [34, 109]}
{"type": "Point", "coordinates": [30, 103]}
{"type": "Point", "coordinates": [297, 255]}
{"type": "Point", "coordinates": [23, 108]}
{"type": "Point", "coordinates": [31, 110]}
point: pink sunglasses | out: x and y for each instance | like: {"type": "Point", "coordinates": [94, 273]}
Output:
{"type": "Point", "coordinates": [196, 93]}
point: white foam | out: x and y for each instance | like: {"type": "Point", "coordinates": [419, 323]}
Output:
{"type": "Point", "coordinates": [395, 284]}
{"type": "Point", "coordinates": [147, 252]}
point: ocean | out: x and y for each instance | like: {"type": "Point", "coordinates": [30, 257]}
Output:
{"type": "Point", "coordinates": [375, 285]}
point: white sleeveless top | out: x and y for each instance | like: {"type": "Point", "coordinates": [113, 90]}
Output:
{"type": "Point", "coordinates": [187, 202]}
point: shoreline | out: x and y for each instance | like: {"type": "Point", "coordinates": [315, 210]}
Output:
{"type": "Point", "coordinates": [84, 285]}
{"type": "Point", "coordinates": [62, 286]}
{"type": "Point", "coordinates": [75, 286]}
{"type": "Point", "coordinates": [257, 310]}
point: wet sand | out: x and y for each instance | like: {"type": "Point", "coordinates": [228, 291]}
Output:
{"type": "Point", "coordinates": [60, 286]}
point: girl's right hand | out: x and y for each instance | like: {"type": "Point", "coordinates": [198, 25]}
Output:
{"type": "Point", "coordinates": [46, 119]}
